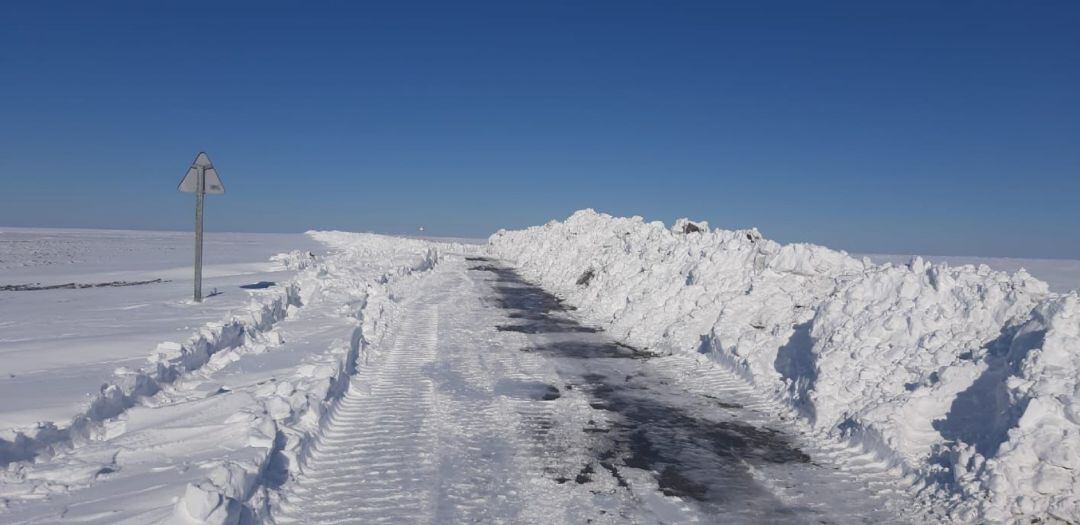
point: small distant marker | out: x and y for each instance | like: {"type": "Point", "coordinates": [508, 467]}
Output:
{"type": "Point", "coordinates": [201, 178]}
{"type": "Point", "coordinates": [421, 228]}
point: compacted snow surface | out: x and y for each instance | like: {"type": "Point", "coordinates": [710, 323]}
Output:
{"type": "Point", "coordinates": [489, 402]}
{"type": "Point", "coordinates": [596, 370]}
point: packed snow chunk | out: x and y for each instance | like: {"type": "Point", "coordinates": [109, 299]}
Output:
{"type": "Point", "coordinates": [295, 260]}
{"type": "Point", "coordinates": [202, 504]}
{"type": "Point", "coordinates": [278, 407]}
{"type": "Point", "coordinates": [167, 351]}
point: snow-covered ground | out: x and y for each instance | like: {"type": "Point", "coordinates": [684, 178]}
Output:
{"type": "Point", "coordinates": [489, 402]}
{"type": "Point", "coordinates": [60, 346]}
{"type": "Point", "coordinates": [962, 379]}
{"type": "Point", "coordinates": [358, 377]}
{"type": "Point", "coordinates": [116, 398]}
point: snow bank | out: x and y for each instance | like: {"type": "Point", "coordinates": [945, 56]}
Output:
{"type": "Point", "coordinates": [321, 382]}
{"type": "Point", "coordinates": [353, 280]}
{"type": "Point", "coordinates": [963, 378]}
{"type": "Point", "coordinates": [1062, 275]}
{"type": "Point", "coordinates": [295, 260]}
{"type": "Point", "coordinates": [1034, 471]}
{"type": "Point", "coordinates": [168, 362]}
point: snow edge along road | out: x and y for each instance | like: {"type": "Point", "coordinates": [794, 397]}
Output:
{"type": "Point", "coordinates": [233, 490]}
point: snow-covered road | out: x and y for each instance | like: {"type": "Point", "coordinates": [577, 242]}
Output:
{"type": "Point", "coordinates": [599, 370]}
{"type": "Point", "coordinates": [489, 402]}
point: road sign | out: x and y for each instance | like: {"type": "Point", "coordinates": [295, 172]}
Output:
{"type": "Point", "coordinates": [201, 178]}
{"type": "Point", "coordinates": [190, 184]}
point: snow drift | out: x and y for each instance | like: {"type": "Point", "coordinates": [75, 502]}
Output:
{"type": "Point", "coordinates": [962, 378]}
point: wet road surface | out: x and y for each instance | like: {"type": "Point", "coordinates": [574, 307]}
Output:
{"type": "Point", "coordinates": [689, 443]}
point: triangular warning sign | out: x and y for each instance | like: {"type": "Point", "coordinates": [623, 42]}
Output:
{"type": "Point", "coordinates": [190, 183]}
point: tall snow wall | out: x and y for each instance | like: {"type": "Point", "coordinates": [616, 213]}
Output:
{"type": "Point", "coordinates": [963, 379]}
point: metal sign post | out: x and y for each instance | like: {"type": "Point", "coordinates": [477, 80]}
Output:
{"type": "Point", "coordinates": [201, 178]}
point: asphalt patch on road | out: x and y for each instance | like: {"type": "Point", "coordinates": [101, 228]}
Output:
{"type": "Point", "coordinates": [547, 326]}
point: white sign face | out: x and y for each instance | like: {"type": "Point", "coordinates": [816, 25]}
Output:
{"type": "Point", "coordinates": [190, 184]}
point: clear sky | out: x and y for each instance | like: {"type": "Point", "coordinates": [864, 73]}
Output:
{"type": "Point", "coordinates": [933, 127]}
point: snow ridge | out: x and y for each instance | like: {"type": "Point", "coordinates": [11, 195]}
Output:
{"type": "Point", "coordinates": [961, 378]}
{"type": "Point", "coordinates": [294, 413]}
{"type": "Point", "coordinates": [169, 362]}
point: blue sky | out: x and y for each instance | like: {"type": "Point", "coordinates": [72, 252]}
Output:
{"type": "Point", "coordinates": [930, 127]}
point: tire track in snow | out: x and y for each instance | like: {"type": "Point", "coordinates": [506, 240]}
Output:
{"type": "Point", "coordinates": [373, 462]}
{"type": "Point", "coordinates": [450, 423]}
{"type": "Point", "coordinates": [513, 433]}
{"type": "Point", "coordinates": [475, 481]}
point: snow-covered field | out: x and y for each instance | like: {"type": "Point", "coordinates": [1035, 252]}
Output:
{"type": "Point", "coordinates": [60, 345]}
{"type": "Point", "coordinates": [327, 356]}
{"type": "Point", "coordinates": [116, 398]}
{"type": "Point", "coordinates": [962, 379]}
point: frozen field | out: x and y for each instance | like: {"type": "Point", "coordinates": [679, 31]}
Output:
{"type": "Point", "coordinates": [59, 346]}
{"type": "Point", "coordinates": [598, 369]}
